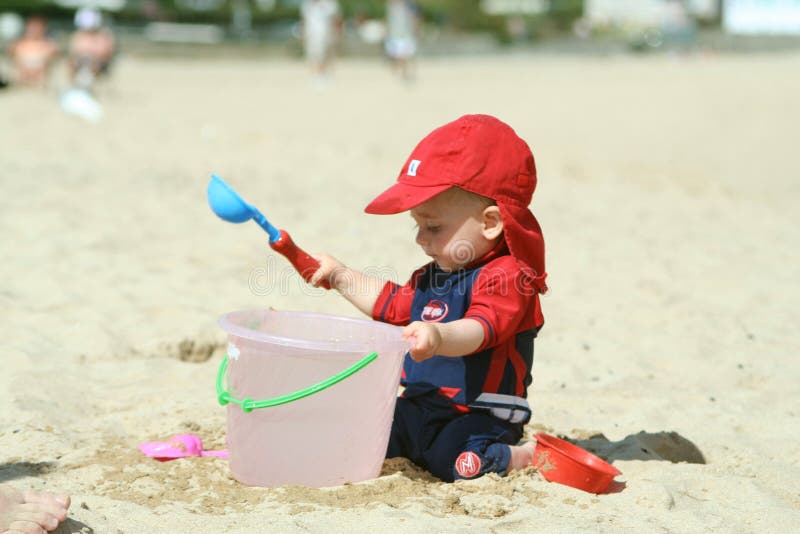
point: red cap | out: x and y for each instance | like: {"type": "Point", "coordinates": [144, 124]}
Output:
{"type": "Point", "coordinates": [484, 155]}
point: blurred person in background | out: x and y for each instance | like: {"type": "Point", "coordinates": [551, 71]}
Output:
{"type": "Point", "coordinates": [91, 48]}
{"type": "Point", "coordinates": [676, 23]}
{"type": "Point", "coordinates": [33, 54]}
{"type": "Point", "coordinates": [402, 25]}
{"type": "Point", "coordinates": [321, 26]}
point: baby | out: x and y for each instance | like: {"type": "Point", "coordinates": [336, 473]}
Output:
{"type": "Point", "coordinates": [473, 312]}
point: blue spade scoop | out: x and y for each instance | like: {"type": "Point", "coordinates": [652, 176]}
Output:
{"type": "Point", "coordinates": [229, 206]}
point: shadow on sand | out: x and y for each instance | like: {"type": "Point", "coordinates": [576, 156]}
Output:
{"type": "Point", "coordinates": [70, 526]}
{"type": "Point", "coordinates": [664, 446]}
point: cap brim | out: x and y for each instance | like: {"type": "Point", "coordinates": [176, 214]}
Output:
{"type": "Point", "coordinates": [402, 197]}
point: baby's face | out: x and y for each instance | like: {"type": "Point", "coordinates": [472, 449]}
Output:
{"type": "Point", "coordinates": [450, 232]}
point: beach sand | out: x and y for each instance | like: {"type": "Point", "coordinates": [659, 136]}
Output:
{"type": "Point", "coordinates": [666, 193]}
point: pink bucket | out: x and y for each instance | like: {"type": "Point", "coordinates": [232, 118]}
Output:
{"type": "Point", "coordinates": [310, 397]}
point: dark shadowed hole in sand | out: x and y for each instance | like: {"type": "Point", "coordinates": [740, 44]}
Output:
{"type": "Point", "coordinates": [186, 350]}
{"type": "Point", "coordinates": [665, 446]}
{"type": "Point", "coordinates": [72, 526]}
{"type": "Point", "coordinates": [189, 350]}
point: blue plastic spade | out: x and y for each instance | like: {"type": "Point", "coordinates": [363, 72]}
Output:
{"type": "Point", "coordinates": [229, 206]}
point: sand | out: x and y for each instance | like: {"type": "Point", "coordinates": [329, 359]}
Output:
{"type": "Point", "coordinates": [666, 192]}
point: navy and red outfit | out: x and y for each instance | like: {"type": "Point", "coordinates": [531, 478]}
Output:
{"type": "Point", "coordinates": [457, 415]}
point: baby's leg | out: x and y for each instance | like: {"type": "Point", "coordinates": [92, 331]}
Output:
{"type": "Point", "coordinates": [406, 430]}
{"type": "Point", "coordinates": [473, 445]}
{"type": "Point", "coordinates": [28, 511]}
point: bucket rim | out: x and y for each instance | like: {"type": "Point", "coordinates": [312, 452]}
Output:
{"type": "Point", "coordinates": [225, 323]}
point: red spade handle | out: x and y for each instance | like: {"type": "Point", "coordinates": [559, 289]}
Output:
{"type": "Point", "coordinates": [305, 264]}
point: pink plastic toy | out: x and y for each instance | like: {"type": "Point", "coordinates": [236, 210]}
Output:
{"type": "Point", "coordinates": [178, 446]}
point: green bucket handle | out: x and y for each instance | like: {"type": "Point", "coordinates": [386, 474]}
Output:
{"type": "Point", "coordinates": [248, 405]}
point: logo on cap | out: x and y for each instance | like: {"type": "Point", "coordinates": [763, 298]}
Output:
{"type": "Point", "coordinates": [468, 464]}
{"type": "Point", "coordinates": [434, 311]}
{"type": "Point", "coordinates": [413, 166]}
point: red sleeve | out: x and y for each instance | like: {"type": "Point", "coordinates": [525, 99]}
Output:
{"type": "Point", "coordinates": [394, 301]}
{"type": "Point", "coordinates": [502, 302]}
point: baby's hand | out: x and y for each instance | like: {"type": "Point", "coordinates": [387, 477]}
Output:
{"type": "Point", "coordinates": [425, 338]}
{"type": "Point", "coordinates": [328, 268]}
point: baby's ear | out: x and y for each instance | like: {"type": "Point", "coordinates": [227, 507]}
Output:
{"type": "Point", "coordinates": [492, 223]}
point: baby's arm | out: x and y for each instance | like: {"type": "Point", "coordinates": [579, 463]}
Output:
{"type": "Point", "coordinates": [456, 338]}
{"type": "Point", "coordinates": [360, 289]}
